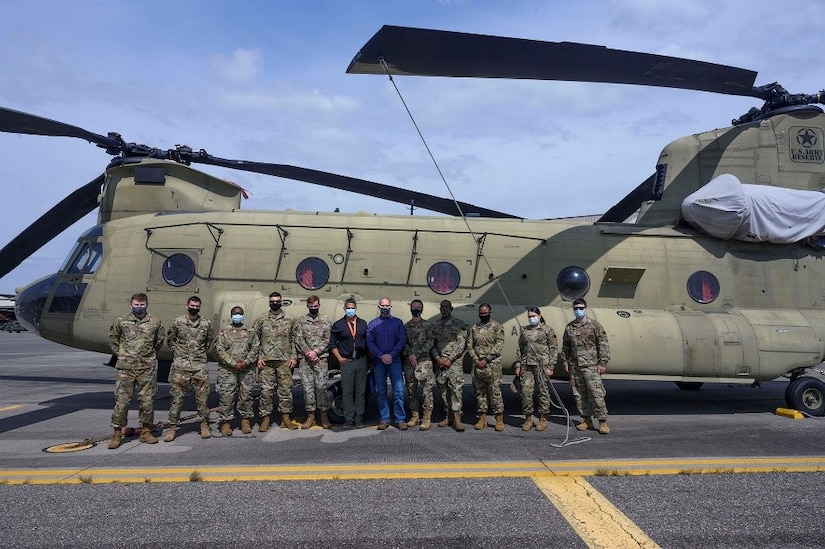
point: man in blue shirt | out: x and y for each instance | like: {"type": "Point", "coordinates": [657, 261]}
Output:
{"type": "Point", "coordinates": [386, 337]}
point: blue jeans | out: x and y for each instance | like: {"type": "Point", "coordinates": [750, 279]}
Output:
{"type": "Point", "coordinates": [396, 373]}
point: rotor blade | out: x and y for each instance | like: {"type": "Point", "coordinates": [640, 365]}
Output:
{"type": "Point", "coordinates": [12, 121]}
{"type": "Point", "coordinates": [352, 184]}
{"type": "Point", "coordinates": [625, 207]}
{"type": "Point", "coordinates": [424, 52]}
{"type": "Point", "coordinates": [49, 225]}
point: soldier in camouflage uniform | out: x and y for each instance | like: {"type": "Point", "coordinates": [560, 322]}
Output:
{"type": "Point", "coordinates": [189, 338]}
{"type": "Point", "coordinates": [538, 355]}
{"type": "Point", "coordinates": [135, 340]}
{"type": "Point", "coordinates": [237, 349]}
{"type": "Point", "coordinates": [584, 355]}
{"type": "Point", "coordinates": [277, 358]}
{"type": "Point", "coordinates": [418, 368]}
{"type": "Point", "coordinates": [450, 335]}
{"type": "Point", "coordinates": [486, 341]}
{"type": "Point", "coordinates": [312, 342]}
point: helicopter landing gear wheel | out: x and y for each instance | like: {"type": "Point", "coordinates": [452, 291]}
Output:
{"type": "Point", "coordinates": [806, 394]}
{"type": "Point", "coordinates": [689, 385]}
{"type": "Point", "coordinates": [335, 411]}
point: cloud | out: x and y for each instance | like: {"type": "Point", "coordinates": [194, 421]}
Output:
{"type": "Point", "coordinates": [239, 69]}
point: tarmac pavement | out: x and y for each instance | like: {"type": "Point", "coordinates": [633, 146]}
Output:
{"type": "Point", "coordinates": [707, 468]}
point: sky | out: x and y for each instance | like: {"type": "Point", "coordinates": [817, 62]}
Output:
{"type": "Point", "coordinates": [266, 81]}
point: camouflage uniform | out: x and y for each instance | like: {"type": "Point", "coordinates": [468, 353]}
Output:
{"type": "Point", "coordinates": [189, 341]}
{"type": "Point", "coordinates": [236, 344]}
{"type": "Point", "coordinates": [420, 342]}
{"type": "Point", "coordinates": [538, 351]}
{"type": "Point", "coordinates": [450, 339]}
{"type": "Point", "coordinates": [584, 348]}
{"type": "Point", "coordinates": [487, 341]}
{"type": "Point", "coordinates": [275, 332]}
{"type": "Point", "coordinates": [135, 342]}
{"type": "Point", "coordinates": [312, 334]}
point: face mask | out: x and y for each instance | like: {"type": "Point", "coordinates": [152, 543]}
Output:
{"type": "Point", "coordinates": [193, 311]}
{"type": "Point", "coordinates": [237, 319]}
{"type": "Point", "coordinates": [350, 312]}
{"type": "Point", "coordinates": [579, 313]}
{"type": "Point", "coordinates": [534, 320]}
{"type": "Point", "coordinates": [313, 311]}
{"type": "Point", "coordinates": [139, 311]}
{"type": "Point", "coordinates": [275, 306]}
{"type": "Point", "coordinates": [484, 318]}
{"type": "Point", "coordinates": [384, 311]}
{"type": "Point", "coordinates": [416, 312]}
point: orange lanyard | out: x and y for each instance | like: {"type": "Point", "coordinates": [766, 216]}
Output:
{"type": "Point", "coordinates": [352, 328]}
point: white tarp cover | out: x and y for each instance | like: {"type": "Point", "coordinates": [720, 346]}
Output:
{"type": "Point", "coordinates": [726, 208]}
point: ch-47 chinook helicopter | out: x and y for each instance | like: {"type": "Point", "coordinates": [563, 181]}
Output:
{"type": "Point", "coordinates": [678, 304]}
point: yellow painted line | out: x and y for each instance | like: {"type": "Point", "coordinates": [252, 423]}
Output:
{"type": "Point", "coordinates": [12, 407]}
{"type": "Point", "coordinates": [598, 522]}
{"type": "Point", "coordinates": [407, 471]}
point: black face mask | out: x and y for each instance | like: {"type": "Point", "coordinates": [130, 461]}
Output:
{"type": "Point", "coordinates": [275, 306]}
{"type": "Point", "coordinates": [193, 311]}
{"type": "Point", "coordinates": [484, 318]}
{"type": "Point", "coordinates": [313, 311]}
{"type": "Point", "coordinates": [416, 312]}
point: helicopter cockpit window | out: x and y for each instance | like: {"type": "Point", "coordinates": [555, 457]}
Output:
{"type": "Point", "coordinates": [703, 287]}
{"type": "Point", "coordinates": [178, 270]}
{"type": "Point", "coordinates": [443, 278]}
{"type": "Point", "coordinates": [87, 260]}
{"type": "Point", "coordinates": [573, 282]}
{"type": "Point", "coordinates": [312, 273]}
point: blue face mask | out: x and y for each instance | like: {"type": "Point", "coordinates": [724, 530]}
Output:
{"type": "Point", "coordinates": [579, 313]}
{"type": "Point", "coordinates": [139, 311]}
{"type": "Point", "coordinates": [533, 320]}
{"type": "Point", "coordinates": [350, 312]}
{"type": "Point", "coordinates": [237, 319]}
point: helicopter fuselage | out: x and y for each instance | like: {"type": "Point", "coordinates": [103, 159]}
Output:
{"type": "Point", "coordinates": [676, 305]}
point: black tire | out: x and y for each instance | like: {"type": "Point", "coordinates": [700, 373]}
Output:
{"type": "Point", "coordinates": [807, 394]}
{"type": "Point", "coordinates": [689, 385]}
{"type": "Point", "coordinates": [789, 393]}
{"type": "Point", "coordinates": [164, 368]}
{"type": "Point", "coordinates": [335, 402]}
{"type": "Point", "coordinates": [335, 407]}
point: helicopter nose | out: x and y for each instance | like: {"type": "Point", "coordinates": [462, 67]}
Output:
{"type": "Point", "coordinates": [31, 301]}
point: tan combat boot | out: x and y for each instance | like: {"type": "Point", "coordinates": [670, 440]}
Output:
{"type": "Point", "coordinates": [146, 435]}
{"type": "Point", "coordinates": [170, 433]}
{"type": "Point", "coordinates": [425, 422]}
{"type": "Point", "coordinates": [482, 421]}
{"type": "Point", "coordinates": [287, 423]}
{"type": "Point", "coordinates": [457, 425]}
{"type": "Point", "coordinates": [413, 420]}
{"type": "Point", "coordinates": [310, 420]}
{"type": "Point", "coordinates": [246, 426]}
{"type": "Point", "coordinates": [499, 422]}
{"type": "Point", "coordinates": [542, 426]}
{"type": "Point", "coordinates": [603, 428]}
{"type": "Point", "coordinates": [265, 423]}
{"type": "Point", "coordinates": [117, 439]}
{"type": "Point", "coordinates": [528, 422]}
{"type": "Point", "coordinates": [586, 424]}
{"type": "Point", "coordinates": [205, 430]}
{"type": "Point", "coordinates": [226, 429]}
{"type": "Point", "coordinates": [325, 420]}
{"type": "Point", "coordinates": [447, 421]}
